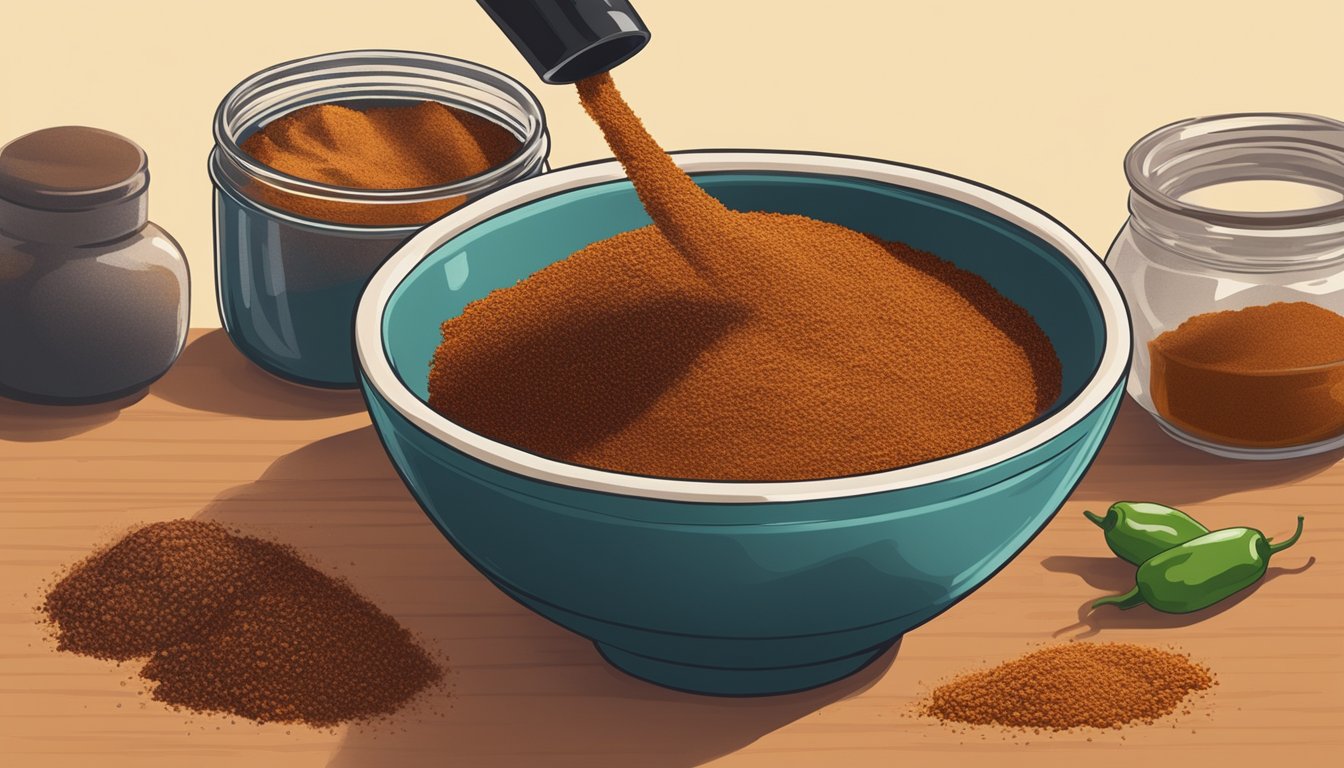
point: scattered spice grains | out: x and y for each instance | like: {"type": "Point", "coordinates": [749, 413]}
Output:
{"type": "Point", "coordinates": [1071, 685]}
{"type": "Point", "coordinates": [722, 345]}
{"type": "Point", "coordinates": [232, 623]}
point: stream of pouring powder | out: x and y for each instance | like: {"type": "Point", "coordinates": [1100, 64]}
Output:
{"type": "Point", "coordinates": [725, 345]}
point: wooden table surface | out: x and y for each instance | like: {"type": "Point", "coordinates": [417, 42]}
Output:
{"type": "Point", "coordinates": [218, 439]}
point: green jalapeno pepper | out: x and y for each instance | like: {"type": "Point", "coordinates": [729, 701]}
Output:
{"type": "Point", "coordinates": [1202, 571]}
{"type": "Point", "coordinates": [1137, 530]}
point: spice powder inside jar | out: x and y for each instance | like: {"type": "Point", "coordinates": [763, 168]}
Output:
{"type": "Point", "coordinates": [424, 145]}
{"type": "Point", "coordinates": [1264, 376]}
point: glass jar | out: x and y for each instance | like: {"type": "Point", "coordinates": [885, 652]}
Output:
{"type": "Point", "coordinates": [287, 284]}
{"type": "Point", "coordinates": [94, 298]}
{"type": "Point", "coordinates": [1227, 383]}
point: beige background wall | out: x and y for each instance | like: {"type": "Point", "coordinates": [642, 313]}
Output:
{"type": "Point", "coordinates": [1040, 99]}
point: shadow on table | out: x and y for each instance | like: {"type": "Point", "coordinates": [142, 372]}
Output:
{"type": "Point", "coordinates": [591, 715]}
{"type": "Point", "coordinates": [1140, 462]}
{"type": "Point", "coordinates": [28, 422]}
{"type": "Point", "coordinates": [522, 691]}
{"type": "Point", "coordinates": [212, 375]}
{"type": "Point", "coordinates": [1113, 576]}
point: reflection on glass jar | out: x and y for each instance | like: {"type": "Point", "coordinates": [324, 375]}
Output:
{"type": "Point", "coordinates": [1232, 263]}
{"type": "Point", "coordinates": [287, 284]}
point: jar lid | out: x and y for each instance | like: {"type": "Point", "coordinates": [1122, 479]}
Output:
{"type": "Point", "coordinates": [72, 184]}
{"type": "Point", "coordinates": [71, 167]}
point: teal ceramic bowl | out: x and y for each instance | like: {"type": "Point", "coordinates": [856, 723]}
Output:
{"type": "Point", "coordinates": [726, 587]}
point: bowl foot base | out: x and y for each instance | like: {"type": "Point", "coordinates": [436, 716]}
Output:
{"type": "Point", "coordinates": [718, 681]}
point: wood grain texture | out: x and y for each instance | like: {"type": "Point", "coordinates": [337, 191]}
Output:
{"type": "Point", "coordinates": [220, 440]}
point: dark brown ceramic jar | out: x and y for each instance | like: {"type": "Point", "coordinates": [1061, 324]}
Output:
{"type": "Point", "coordinates": [94, 298]}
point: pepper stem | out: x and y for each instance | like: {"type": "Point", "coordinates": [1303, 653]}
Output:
{"type": "Point", "coordinates": [1291, 539]}
{"type": "Point", "coordinates": [1098, 519]}
{"type": "Point", "coordinates": [1125, 601]}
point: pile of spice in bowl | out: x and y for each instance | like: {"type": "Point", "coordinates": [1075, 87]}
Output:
{"type": "Point", "coordinates": [721, 345]}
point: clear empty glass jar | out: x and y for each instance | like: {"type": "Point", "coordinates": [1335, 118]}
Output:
{"type": "Point", "coordinates": [1264, 377]}
{"type": "Point", "coordinates": [287, 284]}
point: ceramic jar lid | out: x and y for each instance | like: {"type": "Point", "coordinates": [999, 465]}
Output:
{"type": "Point", "coordinates": [72, 185]}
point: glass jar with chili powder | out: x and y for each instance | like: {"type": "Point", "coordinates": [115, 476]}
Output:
{"type": "Point", "coordinates": [1232, 263]}
{"type": "Point", "coordinates": [293, 254]}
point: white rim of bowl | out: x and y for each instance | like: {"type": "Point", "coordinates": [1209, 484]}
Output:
{"type": "Point", "coordinates": [377, 367]}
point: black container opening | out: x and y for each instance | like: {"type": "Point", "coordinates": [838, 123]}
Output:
{"type": "Point", "coordinates": [597, 58]}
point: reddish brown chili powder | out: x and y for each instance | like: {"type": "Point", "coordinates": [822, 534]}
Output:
{"type": "Point", "coordinates": [232, 623]}
{"type": "Point", "coordinates": [400, 147]}
{"type": "Point", "coordinates": [1264, 377]}
{"type": "Point", "coordinates": [1102, 685]}
{"type": "Point", "coordinates": [739, 346]}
